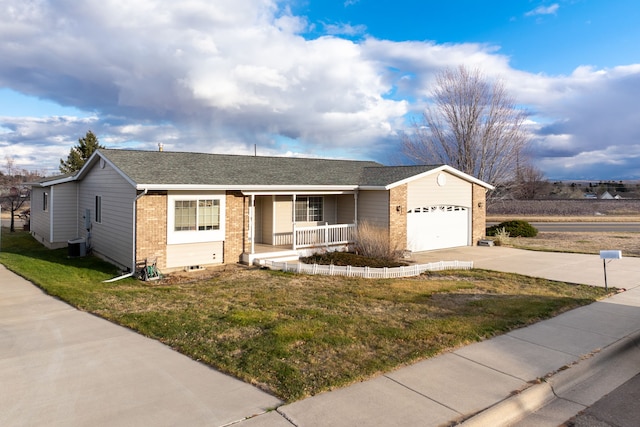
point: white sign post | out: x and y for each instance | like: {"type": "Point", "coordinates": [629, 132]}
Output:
{"type": "Point", "coordinates": [608, 255]}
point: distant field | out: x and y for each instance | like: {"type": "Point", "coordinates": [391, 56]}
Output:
{"type": "Point", "coordinates": [565, 210]}
{"type": "Point", "coordinates": [563, 218]}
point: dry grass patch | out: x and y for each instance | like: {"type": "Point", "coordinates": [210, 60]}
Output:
{"type": "Point", "coordinates": [297, 335]}
{"type": "Point", "coordinates": [591, 243]}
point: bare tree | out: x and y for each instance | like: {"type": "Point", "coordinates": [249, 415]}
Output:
{"type": "Point", "coordinates": [473, 125]}
{"type": "Point", "coordinates": [530, 182]}
{"type": "Point", "coordinates": [14, 193]}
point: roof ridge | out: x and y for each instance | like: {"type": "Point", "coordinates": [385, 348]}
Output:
{"type": "Point", "coordinates": [237, 155]}
{"type": "Point", "coordinates": [434, 165]}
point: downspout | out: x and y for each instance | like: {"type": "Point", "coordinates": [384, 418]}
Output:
{"type": "Point", "coordinates": [135, 227]}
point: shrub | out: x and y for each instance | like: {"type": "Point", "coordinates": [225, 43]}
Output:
{"type": "Point", "coordinates": [373, 241]}
{"type": "Point", "coordinates": [501, 237]}
{"type": "Point", "coordinates": [516, 228]}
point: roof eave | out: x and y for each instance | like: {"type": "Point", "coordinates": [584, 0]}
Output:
{"type": "Point", "coordinates": [374, 187]}
{"type": "Point", "coordinates": [43, 184]}
{"type": "Point", "coordinates": [244, 188]}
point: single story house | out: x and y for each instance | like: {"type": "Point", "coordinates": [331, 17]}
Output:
{"type": "Point", "coordinates": [192, 209]}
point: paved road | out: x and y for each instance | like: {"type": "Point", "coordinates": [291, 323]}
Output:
{"type": "Point", "coordinates": [585, 227]}
{"type": "Point", "coordinates": [618, 408]}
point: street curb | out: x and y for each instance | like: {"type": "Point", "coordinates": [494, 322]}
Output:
{"type": "Point", "coordinates": [513, 408]}
{"type": "Point", "coordinates": [589, 368]}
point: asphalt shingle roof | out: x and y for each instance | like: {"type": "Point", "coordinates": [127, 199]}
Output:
{"type": "Point", "coordinates": [385, 175]}
{"type": "Point", "coordinates": [179, 168]}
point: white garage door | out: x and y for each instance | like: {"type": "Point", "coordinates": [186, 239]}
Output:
{"type": "Point", "coordinates": [437, 227]}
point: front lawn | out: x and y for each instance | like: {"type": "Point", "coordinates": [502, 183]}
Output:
{"type": "Point", "coordinates": [297, 335]}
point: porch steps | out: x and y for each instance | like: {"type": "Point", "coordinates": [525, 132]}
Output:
{"type": "Point", "coordinates": [280, 256]}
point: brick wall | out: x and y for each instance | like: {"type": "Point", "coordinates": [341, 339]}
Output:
{"type": "Point", "coordinates": [151, 228]}
{"type": "Point", "coordinates": [479, 214]}
{"type": "Point", "coordinates": [398, 217]}
{"type": "Point", "coordinates": [236, 226]}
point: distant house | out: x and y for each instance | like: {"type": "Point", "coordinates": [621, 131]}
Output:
{"type": "Point", "coordinates": [606, 196]}
{"type": "Point", "coordinates": [194, 209]}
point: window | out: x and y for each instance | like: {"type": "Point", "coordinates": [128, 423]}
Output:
{"type": "Point", "coordinates": [185, 218]}
{"type": "Point", "coordinates": [208, 214]}
{"type": "Point", "coordinates": [45, 202]}
{"type": "Point", "coordinates": [191, 215]}
{"type": "Point", "coordinates": [309, 209]}
{"type": "Point", "coordinates": [98, 209]}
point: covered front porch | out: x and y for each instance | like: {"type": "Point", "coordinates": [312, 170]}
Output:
{"type": "Point", "coordinates": [287, 226]}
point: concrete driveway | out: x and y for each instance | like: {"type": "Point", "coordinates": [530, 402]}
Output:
{"type": "Point", "coordinates": [572, 268]}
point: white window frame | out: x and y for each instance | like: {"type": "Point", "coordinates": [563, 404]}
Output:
{"type": "Point", "coordinates": [194, 236]}
{"type": "Point", "coordinates": [306, 199]}
{"type": "Point", "coordinates": [45, 202]}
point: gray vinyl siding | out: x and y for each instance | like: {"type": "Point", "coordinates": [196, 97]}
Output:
{"type": "Point", "coordinates": [63, 201]}
{"type": "Point", "coordinates": [346, 209]}
{"type": "Point", "coordinates": [40, 219]}
{"type": "Point", "coordinates": [426, 192]}
{"type": "Point", "coordinates": [373, 207]}
{"type": "Point", "coordinates": [113, 237]}
{"type": "Point", "coordinates": [330, 213]}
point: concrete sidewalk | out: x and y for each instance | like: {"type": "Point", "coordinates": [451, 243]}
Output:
{"type": "Point", "coordinates": [63, 367]}
{"type": "Point", "coordinates": [59, 366]}
{"type": "Point", "coordinates": [582, 354]}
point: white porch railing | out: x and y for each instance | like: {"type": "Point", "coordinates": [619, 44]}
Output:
{"type": "Point", "coordinates": [321, 235]}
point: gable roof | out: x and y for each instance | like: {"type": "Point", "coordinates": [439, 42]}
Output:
{"type": "Point", "coordinates": [388, 177]}
{"type": "Point", "coordinates": [158, 169]}
{"type": "Point", "coordinates": [383, 176]}
{"type": "Point", "coordinates": [184, 170]}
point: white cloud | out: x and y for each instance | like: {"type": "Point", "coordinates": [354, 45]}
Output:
{"type": "Point", "coordinates": [544, 10]}
{"type": "Point", "coordinates": [222, 76]}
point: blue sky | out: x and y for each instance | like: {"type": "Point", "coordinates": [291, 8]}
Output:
{"type": "Point", "coordinates": [313, 78]}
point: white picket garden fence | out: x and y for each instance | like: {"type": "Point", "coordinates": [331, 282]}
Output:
{"type": "Point", "coordinates": [367, 272]}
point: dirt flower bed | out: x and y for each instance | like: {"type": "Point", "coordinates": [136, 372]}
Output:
{"type": "Point", "coordinates": [354, 260]}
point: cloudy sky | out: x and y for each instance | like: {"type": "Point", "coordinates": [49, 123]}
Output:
{"type": "Point", "coordinates": [313, 77]}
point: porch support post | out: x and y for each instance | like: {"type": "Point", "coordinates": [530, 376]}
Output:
{"type": "Point", "coordinates": [355, 204]}
{"type": "Point", "coordinates": [252, 223]}
{"type": "Point", "coordinates": [355, 217]}
{"type": "Point", "coordinates": [293, 223]}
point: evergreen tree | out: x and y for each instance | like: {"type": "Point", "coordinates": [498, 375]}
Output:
{"type": "Point", "coordinates": [80, 153]}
